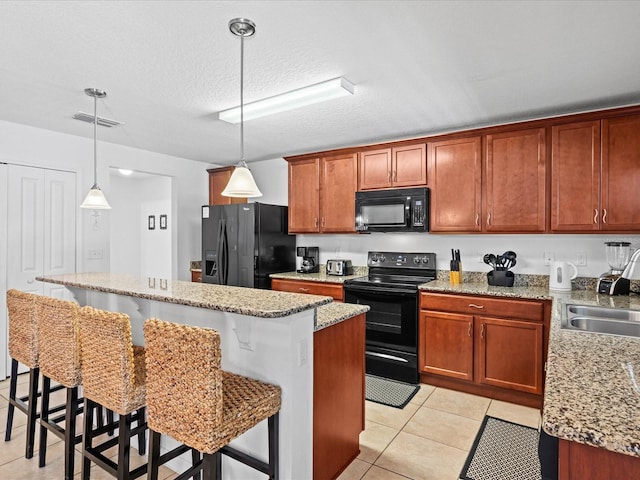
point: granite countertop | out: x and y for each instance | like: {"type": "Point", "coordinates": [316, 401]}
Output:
{"type": "Point", "coordinates": [321, 276]}
{"type": "Point", "coordinates": [336, 312]}
{"type": "Point", "coordinates": [245, 301]}
{"type": "Point", "coordinates": [589, 392]}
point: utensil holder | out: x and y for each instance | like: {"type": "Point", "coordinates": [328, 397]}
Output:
{"type": "Point", "coordinates": [500, 278]}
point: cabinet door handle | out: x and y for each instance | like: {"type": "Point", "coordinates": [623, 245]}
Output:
{"type": "Point", "coordinates": [395, 175]}
{"type": "Point", "coordinates": [489, 218]}
{"type": "Point", "coordinates": [595, 215]}
{"type": "Point", "coordinates": [469, 331]}
{"type": "Point", "coordinates": [305, 290]}
{"type": "Point", "coordinates": [477, 219]}
{"type": "Point", "coordinates": [604, 215]}
{"type": "Point", "coordinates": [389, 176]}
{"type": "Point", "coordinates": [315, 221]}
{"type": "Point", "coordinates": [482, 331]}
{"type": "Point", "coordinates": [323, 223]}
{"type": "Point", "coordinates": [473, 305]}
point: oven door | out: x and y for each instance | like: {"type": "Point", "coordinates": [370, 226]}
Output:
{"type": "Point", "coordinates": [392, 321]}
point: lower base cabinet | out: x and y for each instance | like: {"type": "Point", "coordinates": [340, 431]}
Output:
{"type": "Point", "coordinates": [577, 461]}
{"type": "Point", "coordinates": [484, 345]}
{"type": "Point", "coordinates": [338, 396]}
{"type": "Point", "coordinates": [334, 290]}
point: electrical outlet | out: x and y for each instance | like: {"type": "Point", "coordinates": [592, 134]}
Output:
{"type": "Point", "coordinates": [303, 352]}
{"type": "Point", "coordinates": [548, 257]}
{"type": "Point", "coordinates": [95, 254]}
{"type": "Point", "coordinates": [581, 259]}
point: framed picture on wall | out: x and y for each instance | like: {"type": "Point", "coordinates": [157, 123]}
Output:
{"type": "Point", "coordinates": [152, 222]}
{"type": "Point", "coordinates": [163, 222]}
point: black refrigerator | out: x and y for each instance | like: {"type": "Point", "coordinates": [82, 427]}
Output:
{"type": "Point", "coordinates": [243, 243]}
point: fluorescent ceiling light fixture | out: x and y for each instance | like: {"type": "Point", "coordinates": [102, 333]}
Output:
{"type": "Point", "coordinates": [334, 88]}
{"type": "Point", "coordinates": [125, 171]}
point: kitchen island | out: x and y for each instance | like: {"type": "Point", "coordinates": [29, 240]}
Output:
{"type": "Point", "coordinates": [270, 336]}
{"type": "Point", "coordinates": [591, 401]}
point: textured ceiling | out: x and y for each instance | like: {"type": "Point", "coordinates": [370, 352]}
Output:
{"type": "Point", "coordinates": [419, 67]}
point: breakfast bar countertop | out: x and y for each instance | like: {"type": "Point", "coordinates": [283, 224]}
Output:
{"type": "Point", "coordinates": [245, 301]}
{"type": "Point", "coordinates": [591, 389]}
{"type": "Point", "coordinates": [320, 276]}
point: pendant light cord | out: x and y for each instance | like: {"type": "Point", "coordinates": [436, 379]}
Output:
{"type": "Point", "coordinates": [95, 142]}
{"type": "Point", "coordinates": [242, 34]}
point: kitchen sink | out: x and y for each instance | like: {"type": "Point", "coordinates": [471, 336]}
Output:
{"type": "Point", "coordinates": [610, 321]}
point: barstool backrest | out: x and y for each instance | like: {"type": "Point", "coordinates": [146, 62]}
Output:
{"type": "Point", "coordinates": [184, 382]}
{"type": "Point", "coordinates": [108, 370]}
{"type": "Point", "coordinates": [23, 328]}
{"type": "Point", "coordinates": [59, 340]}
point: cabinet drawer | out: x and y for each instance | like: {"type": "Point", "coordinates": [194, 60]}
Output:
{"type": "Point", "coordinates": [313, 288]}
{"type": "Point", "coordinates": [507, 307]}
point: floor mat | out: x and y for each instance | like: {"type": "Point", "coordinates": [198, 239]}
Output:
{"type": "Point", "coordinates": [503, 450]}
{"type": "Point", "coordinates": [389, 392]}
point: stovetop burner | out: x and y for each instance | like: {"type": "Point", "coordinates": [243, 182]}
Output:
{"type": "Point", "coordinates": [395, 269]}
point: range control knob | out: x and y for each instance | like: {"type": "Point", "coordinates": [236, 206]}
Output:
{"type": "Point", "coordinates": [375, 258]}
{"type": "Point", "coordinates": [416, 260]}
{"type": "Point", "coordinates": [425, 259]}
{"type": "Point", "coordinates": [381, 258]}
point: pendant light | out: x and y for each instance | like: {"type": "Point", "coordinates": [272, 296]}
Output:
{"type": "Point", "coordinates": [95, 199]}
{"type": "Point", "coordinates": [241, 183]}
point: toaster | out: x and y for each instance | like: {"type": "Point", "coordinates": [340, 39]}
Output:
{"type": "Point", "coordinates": [339, 267]}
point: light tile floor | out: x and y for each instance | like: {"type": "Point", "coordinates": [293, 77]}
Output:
{"type": "Point", "coordinates": [427, 440]}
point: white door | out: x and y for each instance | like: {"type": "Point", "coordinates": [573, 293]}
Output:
{"type": "Point", "coordinates": [4, 354]}
{"type": "Point", "coordinates": [41, 230]}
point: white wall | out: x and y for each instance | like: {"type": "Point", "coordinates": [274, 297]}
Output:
{"type": "Point", "coordinates": [24, 145]}
{"type": "Point", "coordinates": [271, 177]}
{"type": "Point", "coordinates": [140, 251]}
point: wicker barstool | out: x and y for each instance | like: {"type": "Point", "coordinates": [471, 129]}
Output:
{"type": "Point", "coordinates": [190, 398]}
{"type": "Point", "coordinates": [23, 348]}
{"type": "Point", "coordinates": [59, 360]}
{"type": "Point", "coordinates": [113, 375]}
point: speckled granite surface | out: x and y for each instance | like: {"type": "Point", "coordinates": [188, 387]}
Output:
{"type": "Point", "coordinates": [336, 312]}
{"type": "Point", "coordinates": [321, 276]}
{"type": "Point", "coordinates": [246, 301]}
{"type": "Point", "coordinates": [589, 393]}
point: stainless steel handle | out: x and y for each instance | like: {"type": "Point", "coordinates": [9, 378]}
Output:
{"type": "Point", "coordinates": [389, 176]}
{"type": "Point", "coordinates": [323, 222]}
{"type": "Point", "coordinates": [473, 305]}
{"type": "Point", "coordinates": [315, 221]}
{"type": "Point", "coordinates": [482, 331]}
{"type": "Point", "coordinates": [604, 215]}
{"type": "Point", "coordinates": [395, 175]}
{"type": "Point", "coordinates": [489, 219]}
{"type": "Point", "coordinates": [303, 289]}
{"type": "Point", "coordinates": [595, 215]}
{"type": "Point", "coordinates": [477, 219]}
{"type": "Point", "coordinates": [388, 357]}
{"type": "Point", "coordinates": [469, 331]}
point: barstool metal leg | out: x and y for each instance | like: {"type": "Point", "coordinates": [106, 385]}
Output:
{"type": "Point", "coordinates": [13, 388]}
{"type": "Point", "coordinates": [154, 455]}
{"type": "Point", "coordinates": [124, 444]}
{"type": "Point", "coordinates": [142, 444]}
{"type": "Point", "coordinates": [70, 431]}
{"type": "Point", "coordinates": [44, 417]}
{"type": "Point", "coordinates": [32, 410]}
{"type": "Point", "coordinates": [86, 437]}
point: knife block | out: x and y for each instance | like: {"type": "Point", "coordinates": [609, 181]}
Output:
{"type": "Point", "coordinates": [500, 278]}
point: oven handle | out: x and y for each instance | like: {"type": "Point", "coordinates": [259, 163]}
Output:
{"type": "Point", "coordinates": [372, 289]}
{"type": "Point", "coordinates": [389, 357]}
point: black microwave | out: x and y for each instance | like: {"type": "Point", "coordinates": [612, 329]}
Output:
{"type": "Point", "coordinates": [398, 210]}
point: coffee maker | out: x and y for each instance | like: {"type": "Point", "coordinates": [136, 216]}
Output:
{"type": "Point", "coordinates": [310, 259]}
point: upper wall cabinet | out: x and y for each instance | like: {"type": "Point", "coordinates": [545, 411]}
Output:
{"type": "Point", "coordinates": [455, 182]}
{"type": "Point", "coordinates": [514, 182]}
{"type": "Point", "coordinates": [575, 177]}
{"type": "Point", "coordinates": [595, 176]}
{"type": "Point", "coordinates": [322, 194]}
{"type": "Point", "coordinates": [218, 179]}
{"type": "Point", "coordinates": [403, 166]}
{"type": "Point", "coordinates": [620, 187]}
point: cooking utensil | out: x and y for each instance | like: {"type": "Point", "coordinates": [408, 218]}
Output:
{"type": "Point", "coordinates": [487, 259]}
{"type": "Point", "coordinates": [511, 258]}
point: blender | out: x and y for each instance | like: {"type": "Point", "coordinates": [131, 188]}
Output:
{"type": "Point", "coordinates": [612, 282]}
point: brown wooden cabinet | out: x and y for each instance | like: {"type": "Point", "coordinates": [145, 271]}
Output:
{"type": "Point", "coordinates": [621, 174]}
{"type": "Point", "coordinates": [218, 179]}
{"type": "Point", "coordinates": [514, 181]}
{"type": "Point", "coordinates": [398, 167]}
{"type": "Point", "coordinates": [322, 194]}
{"type": "Point", "coordinates": [595, 176]}
{"type": "Point", "coordinates": [334, 290]}
{"type": "Point", "coordinates": [577, 461]}
{"type": "Point", "coordinates": [196, 275]}
{"type": "Point", "coordinates": [575, 177]}
{"type": "Point", "coordinates": [455, 181]}
{"type": "Point", "coordinates": [484, 345]}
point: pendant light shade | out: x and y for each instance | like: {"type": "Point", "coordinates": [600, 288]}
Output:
{"type": "Point", "coordinates": [95, 199]}
{"type": "Point", "coordinates": [241, 183]}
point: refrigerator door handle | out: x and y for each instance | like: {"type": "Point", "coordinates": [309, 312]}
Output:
{"type": "Point", "coordinates": [220, 267]}
{"type": "Point", "coordinates": [225, 254]}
